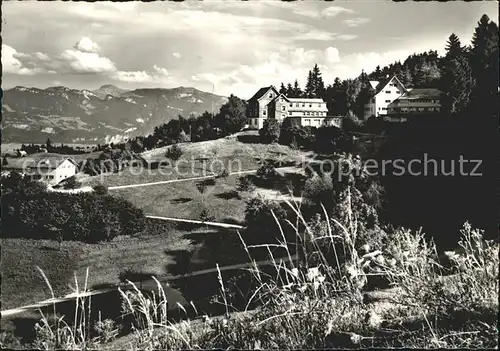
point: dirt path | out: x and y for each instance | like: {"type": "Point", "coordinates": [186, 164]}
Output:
{"type": "Point", "coordinates": [280, 169]}
{"type": "Point", "coordinates": [212, 224]}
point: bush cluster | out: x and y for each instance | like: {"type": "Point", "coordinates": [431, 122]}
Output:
{"type": "Point", "coordinates": [29, 211]}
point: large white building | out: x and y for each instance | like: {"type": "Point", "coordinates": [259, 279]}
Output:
{"type": "Point", "coordinates": [396, 103]}
{"type": "Point", "coordinates": [386, 92]}
{"type": "Point", "coordinates": [269, 103]}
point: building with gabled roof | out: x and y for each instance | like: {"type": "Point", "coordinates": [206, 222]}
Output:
{"type": "Point", "coordinates": [46, 167]}
{"type": "Point", "coordinates": [269, 103]}
{"type": "Point", "coordinates": [385, 92]}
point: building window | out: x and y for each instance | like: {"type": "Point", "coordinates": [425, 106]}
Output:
{"type": "Point", "coordinates": [319, 105]}
{"type": "Point", "coordinates": [281, 99]}
{"type": "Point", "coordinates": [291, 105]}
{"type": "Point", "coordinates": [303, 105]}
{"type": "Point", "coordinates": [270, 96]}
{"type": "Point", "coordinates": [283, 116]}
{"type": "Point", "coordinates": [264, 112]}
{"type": "Point", "coordinates": [387, 100]}
{"type": "Point", "coordinates": [283, 108]}
{"type": "Point", "coordinates": [290, 113]}
{"type": "Point", "coordinates": [387, 91]}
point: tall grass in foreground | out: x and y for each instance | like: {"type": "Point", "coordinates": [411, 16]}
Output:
{"type": "Point", "coordinates": [319, 300]}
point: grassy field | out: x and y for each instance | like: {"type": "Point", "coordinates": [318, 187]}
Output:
{"type": "Point", "coordinates": [200, 159]}
{"type": "Point", "coordinates": [183, 200]}
{"type": "Point", "coordinates": [106, 261]}
{"type": "Point", "coordinates": [178, 250]}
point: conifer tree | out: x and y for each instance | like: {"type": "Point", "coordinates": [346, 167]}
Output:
{"type": "Point", "coordinates": [297, 92]}
{"type": "Point", "coordinates": [309, 91]}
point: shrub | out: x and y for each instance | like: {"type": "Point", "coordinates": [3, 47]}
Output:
{"type": "Point", "coordinates": [100, 189]}
{"type": "Point", "coordinates": [245, 184]}
{"type": "Point", "coordinates": [270, 132]}
{"type": "Point", "coordinates": [319, 190]}
{"type": "Point", "coordinates": [28, 210]}
{"type": "Point", "coordinates": [331, 139]}
{"type": "Point", "coordinates": [260, 219]}
{"type": "Point", "coordinates": [266, 170]}
{"type": "Point", "coordinates": [71, 183]}
{"type": "Point", "coordinates": [174, 152]}
{"type": "Point", "coordinates": [223, 173]}
{"type": "Point", "coordinates": [206, 216]}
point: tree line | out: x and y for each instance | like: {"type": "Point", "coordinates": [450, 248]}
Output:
{"type": "Point", "coordinates": [231, 118]}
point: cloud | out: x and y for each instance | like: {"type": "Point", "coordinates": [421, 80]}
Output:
{"type": "Point", "coordinates": [87, 62]}
{"type": "Point", "coordinates": [271, 67]}
{"type": "Point", "coordinates": [176, 55]}
{"type": "Point", "coordinates": [329, 12]}
{"type": "Point", "coordinates": [332, 55]}
{"type": "Point", "coordinates": [160, 71]}
{"type": "Point", "coordinates": [158, 75]}
{"type": "Point", "coordinates": [85, 44]}
{"type": "Point", "coordinates": [132, 76]}
{"type": "Point", "coordinates": [346, 37]}
{"type": "Point", "coordinates": [355, 22]}
{"type": "Point", "coordinates": [41, 56]}
{"type": "Point", "coordinates": [333, 11]}
{"type": "Point", "coordinates": [11, 62]}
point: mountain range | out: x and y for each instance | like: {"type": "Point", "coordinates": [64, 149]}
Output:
{"type": "Point", "coordinates": [108, 114]}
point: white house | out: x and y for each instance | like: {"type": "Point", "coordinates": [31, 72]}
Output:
{"type": "Point", "coordinates": [269, 103]}
{"type": "Point", "coordinates": [386, 92]}
{"type": "Point", "coordinates": [49, 168]}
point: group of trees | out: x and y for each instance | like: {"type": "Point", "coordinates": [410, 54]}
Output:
{"type": "Point", "coordinates": [324, 140]}
{"type": "Point", "coordinates": [29, 211]}
{"type": "Point", "coordinates": [315, 87]}
{"type": "Point", "coordinates": [444, 201]}
{"type": "Point", "coordinates": [50, 147]}
{"type": "Point", "coordinates": [231, 118]}
{"type": "Point", "coordinates": [470, 73]}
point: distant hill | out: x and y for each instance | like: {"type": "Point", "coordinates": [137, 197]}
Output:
{"type": "Point", "coordinates": [108, 114]}
{"type": "Point", "coordinates": [108, 89]}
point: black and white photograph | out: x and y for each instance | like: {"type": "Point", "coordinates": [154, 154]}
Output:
{"type": "Point", "coordinates": [225, 174]}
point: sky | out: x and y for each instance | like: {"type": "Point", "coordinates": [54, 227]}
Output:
{"type": "Point", "coordinates": [226, 47]}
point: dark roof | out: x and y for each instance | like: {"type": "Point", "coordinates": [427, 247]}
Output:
{"type": "Point", "coordinates": [261, 92]}
{"type": "Point", "coordinates": [384, 82]}
{"type": "Point", "coordinates": [419, 93]}
{"type": "Point", "coordinates": [278, 96]}
{"type": "Point", "coordinates": [41, 160]}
